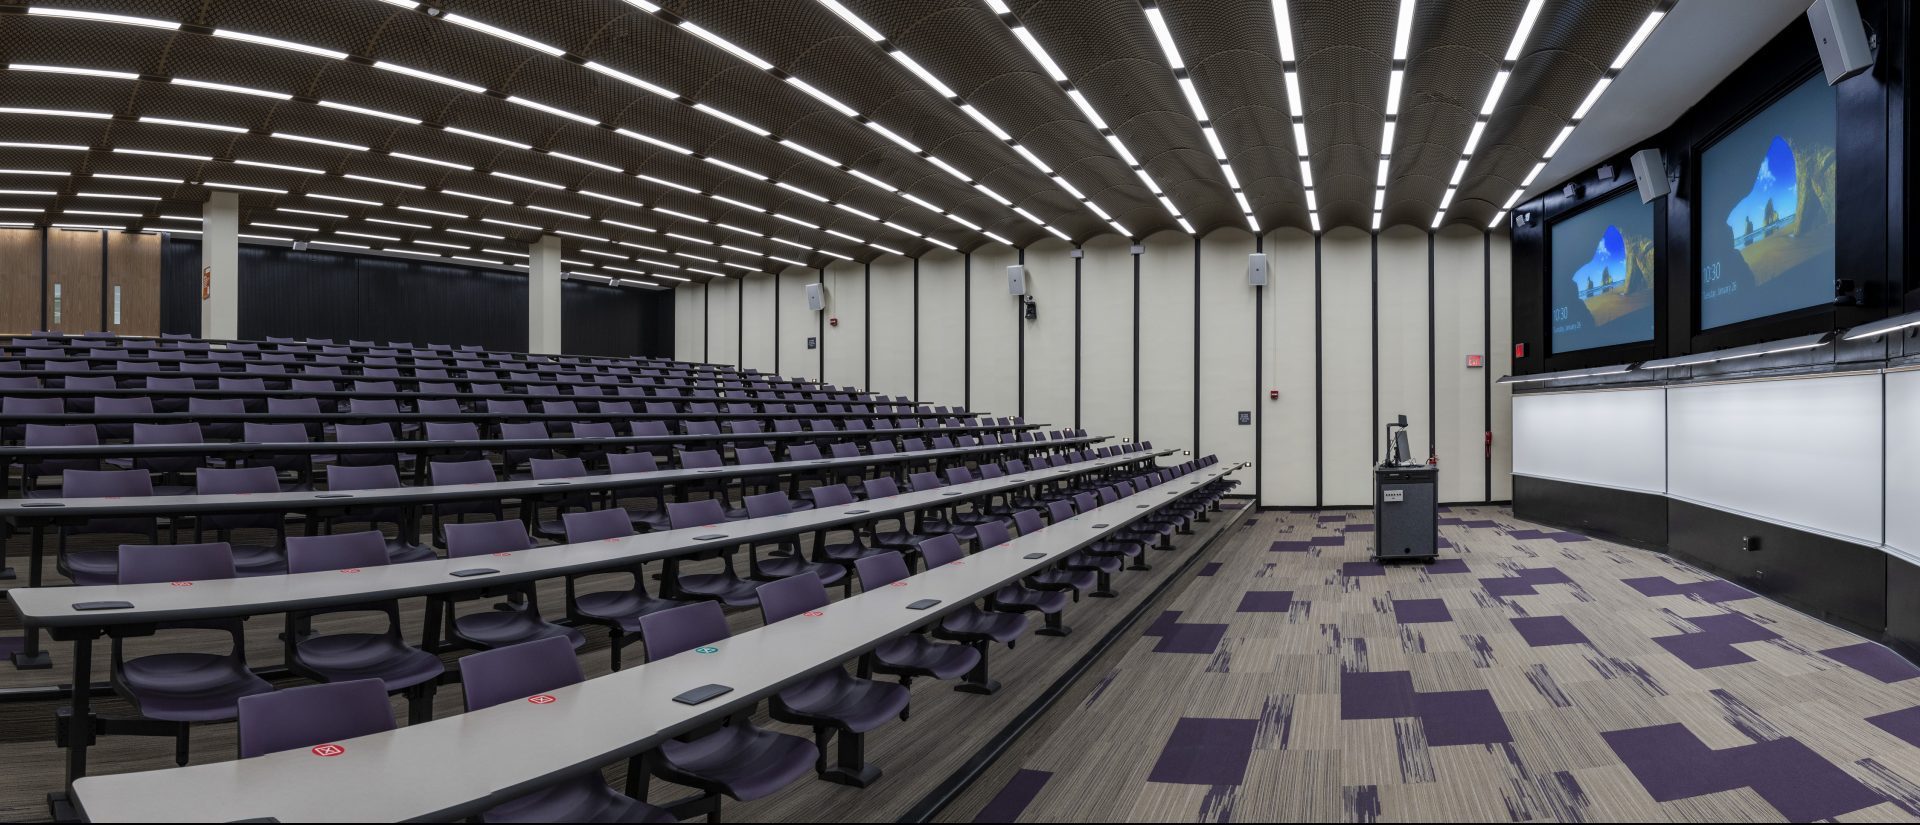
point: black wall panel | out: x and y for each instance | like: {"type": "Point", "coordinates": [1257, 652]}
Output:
{"type": "Point", "coordinates": [1628, 517]}
{"type": "Point", "coordinates": [1839, 581]}
{"type": "Point", "coordinates": [324, 294]}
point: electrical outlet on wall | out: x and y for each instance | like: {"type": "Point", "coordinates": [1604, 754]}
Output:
{"type": "Point", "coordinates": [1750, 544]}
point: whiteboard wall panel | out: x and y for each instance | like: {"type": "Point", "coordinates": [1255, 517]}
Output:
{"type": "Point", "coordinates": [1611, 439]}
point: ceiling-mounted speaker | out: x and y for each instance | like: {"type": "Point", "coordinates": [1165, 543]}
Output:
{"type": "Point", "coordinates": [1017, 280]}
{"type": "Point", "coordinates": [816, 297]}
{"type": "Point", "coordinates": [1257, 269]}
{"type": "Point", "coordinates": [1844, 48]}
{"type": "Point", "coordinates": [1650, 174]}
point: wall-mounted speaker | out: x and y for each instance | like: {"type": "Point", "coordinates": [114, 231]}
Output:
{"type": "Point", "coordinates": [1016, 280]}
{"type": "Point", "coordinates": [1257, 269]}
{"type": "Point", "coordinates": [1650, 174]}
{"type": "Point", "coordinates": [816, 297]}
{"type": "Point", "coordinates": [1845, 50]}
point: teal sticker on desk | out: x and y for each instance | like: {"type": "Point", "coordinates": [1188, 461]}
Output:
{"type": "Point", "coordinates": [707, 649]}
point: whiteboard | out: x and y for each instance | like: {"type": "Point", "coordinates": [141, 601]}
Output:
{"type": "Point", "coordinates": [1612, 439]}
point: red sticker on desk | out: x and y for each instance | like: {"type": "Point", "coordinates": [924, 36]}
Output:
{"type": "Point", "coordinates": [328, 750]}
{"type": "Point", "coordinates": [813, 613]}
{"type": "Point", "coordinates": [503, 554]}
{"type": "Point", "coordinates": [542, 699]}
{"type": "Point", "coordinates": [350, 570]}
{"type": "Point", "coordinates": [898, 584]}
{"type": "Point", "coordinates": [182, 584]}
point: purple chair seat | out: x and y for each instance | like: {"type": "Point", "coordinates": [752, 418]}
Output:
{"type": "Point", "coordinates": [381, 656]}
{"type": "Point", "coordinates": [725, 588]}
{"type": "Point", "coordinates": [622, 608]}
{"type": "Point", "coordinates": [917, 654]}
{"type": "Point", "coordinates": [188, 687]}
{"type": "Point", "coordinates": [91, 567]}
{"type": "Point", "coordinates": [500, 628]}
{"type": "Point", "coordinates": [741, 761]}
{"type": "Point", "coordinates": [971, 622]}
{"type": "Point", "coordinates": [586, 798]}
{"type": "Point", "coordinates": [1094, 562]}
{"type": "Point", "coordinates": [1063, 579]}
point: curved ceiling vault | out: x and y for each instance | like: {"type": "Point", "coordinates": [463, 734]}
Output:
{"type": "Point", "coordinates": [692, 140]}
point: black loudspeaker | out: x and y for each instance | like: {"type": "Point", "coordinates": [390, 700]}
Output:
{"type": "Point", "coordinates": [1650, 174]}
{"type": "Point", "coordinates": [1845, 49]}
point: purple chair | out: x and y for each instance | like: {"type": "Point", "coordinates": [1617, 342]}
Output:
{"type": "Point", "coordinates": [971, 624]}
{"type": "Point", "coordinates": [1019, 598]}
{"type": "Point", "coordinates": [740, 760]}
{"type": "Point", "coordinates": [900, 537]}
{"type": "Point", "coordinates": [249, 559]}
{"type": "Point", "coordinates": [843, 554]}
{"type": "Point", "coordinates": [641, 462]}
{"type": "Point", "coordinates": [136, 405]}
{"type": "Point", "coordinates": [55, 435]}
{"type": "Point", "coordinates": [833, 701]}
{"type": "Point", "coordinates": [299, 465]}
{"type": "Point", "coordinates": [384, 657]}
{"type": "Point", "coordinates": [1101, 565]}
{"type": "Point", "coordinates": [511, 459]}
{"type": "Point", "coordinates": [617, 610]}
{"type": "Point", "coordinates": [495, 628]}
{"type": "Point", "coordinates": [402, 548]}
{"type": "Point", "coordinates": [312, 715]}
{"type": "Point", "coordinates": [828, 569]}
{"type": "Point", "coordinates": [183, 688]}
{"type": "Point", "coordinates": [522, 670]}
{"type": "Point", "coordinates": [725, 586]}
{"type": "Point", "coordinates": [1066, 576]}
{"type": "Point", "coordinates": [89, 567]}
{"type": "Point", "coordinates": [450, 473]}
{"type": "Point", "coordinates": [552, 469]}
{"type": "Point", "coordinates": [378, 432]}
{"type": "Point", "coordinates": [912, 654]}
{"type": "Point", "coordinates": [170, 469]}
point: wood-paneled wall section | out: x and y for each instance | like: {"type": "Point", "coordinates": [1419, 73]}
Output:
{"type": "Point", "coordinates": [133, 284]}
{"type": "Point", "coordinates": [74, 264]}
{"type": "Point", "coordinates": [19, 280]}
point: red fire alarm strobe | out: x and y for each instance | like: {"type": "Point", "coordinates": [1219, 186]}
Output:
{"type": "Point", "coordinates": [1273, 395]}
{"type": "Point", "coordinates": [833, 322]}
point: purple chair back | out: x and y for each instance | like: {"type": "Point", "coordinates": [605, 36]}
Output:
{"type": "Point", "coordinates": [339, 551]}
{"type": "Point", "coordinates": [785, 598]}
{"type": "Point", "coordinates": [940, 550]}
{"type": "Point", "coordinates": [702, 513]}
{"type": "Point", "coordinates": [312, 715]}
{"type": "Point", "coordinates": [153, 563]}
{"type": "Point", "coordinates": [775, 503]}
{"type": "Point", "coordinates": [452, 431]}
{"type": "Point", "coordinates": [833, 495]}
{"type": "Point", "coordinates": [881, 487]}
{"type": "Point", "coordinates": [699, 459]}
{"type": "Point", "coordinates": [993, 534]}
{"type": "Point", "coordinates": [924, 481]}
{"type": "Point", "coordinates": [1029, 522]}
{"type": "Point", "coordinates": [804, 452]}
{"type": "Point", "coordinates": [880, 569]}
{"type": "Point", "coordinates": [369, 477]}
{"type": "Point", "coordinates": [680, 629]}
{"type": "Point", "coordinates": [593, 525]}
{"type": "Point", "coordinates": [551, 468]}
{"type": "Point", "coordinates": [478, 471]}
{"type": "Point", "coordinates": [504, 674]}
{"type": "Point", "coordinates": [478, 537]}
{"type": "Point", "coordinates": [642, 462]}
{"type": "Point", "coordinates": [1058, 511]}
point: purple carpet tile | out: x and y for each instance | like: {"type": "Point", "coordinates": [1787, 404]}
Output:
{"type": "Point", "coordinates": [1524, 580]}
{"type": "Point", "coordinates": [1266, 601]}
{"type": "Point", "coordinates": [1191, 638]}
{"type": "Point", "coordinates": [1162, 623]}
{"type": "Point", "coordinates": [1359, 528]}
{"type": "Point", "coordinates": [1361, 568]}
{"type": "Point", "coordinates": [1252, 521]}
{"type": "Point", "coordinates": [1328, 519]}
{"type": "Point", "coordinates": [1874, 660]}
{"type": "Point", "coordinates": [1547, 631]}
{"type": "Point", "coordinates": [1560, 536]}
{"type": "Point", "coordinates": [1327, 541]}
{"type": "Point", "coordinates": [1013, 799]}
{"type": "Point", "coordinates": [1671, 763]}
{"type": "Point", "coordinates": [1420, 611]}
{"type": "Point", "coordinates": [1461, 717]}
{"type": "Point", "coordinates": [1480, 523]}
{"type": "Point", "coordinates": [1209, 568]}
{"type": "Point", "coordinates": [1443, 543]}
{"type": "Point", "coordinates": [1707, 591]}
{"type": "Point", "coordinates": [1387, 695]}
{"type": "Point", "coordinates": [1206, 752]}
{"type": "Point", "coordinates": [1901, 723]}
{"type": "Point", "coordinates": [1713, 646]}
{"type": "Point", "coordinates": [1290, 547]}
{"type": "Point", "coordinates": [1441, 567]}
{"type": "Point", "coordinates": [1451, 520]}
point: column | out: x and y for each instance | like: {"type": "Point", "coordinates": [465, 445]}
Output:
{"type": "Point", "coordinates": [220, 267]}
{"type": "Point", "coordinates": [543, 295]}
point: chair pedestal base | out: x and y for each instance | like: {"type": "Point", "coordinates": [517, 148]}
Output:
{"type": "Point", "coordinates": [60, 808]}
{"type": "Point", "coordinates": [861, 777]}
{"type": "Point", "coordinates": [988, 687]}
{"type": "Point", "coordinates": [40, 660]}
{"type": "Point", "coordinates": [7, 573]}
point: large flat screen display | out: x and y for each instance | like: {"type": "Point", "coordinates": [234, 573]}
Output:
{"type": "Point", "coordinates": [1766, 211]}
{"type": "Point", "coordinates": [1603, 275]}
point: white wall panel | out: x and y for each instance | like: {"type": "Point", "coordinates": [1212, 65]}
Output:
{"type": "Point", "coordinates": [1612, 439]}
{"type": "Point", "coordinates": [1903, 462]}
{"type": "Point", "coordinates": [1806, 452]}
{"type": "Point", "coordinates": [1166, 340]}
{"type": "Point", "coordinates": [797, 324]}
{"type": "Point", "coordinates": [996, 331]}
{"type": "Point", "coordinates": [690, 323]}
{"type": "Point", "coordinates": [1403, 299]}
{"type": "Point", "coordinates": [1460, 393]}
{"type": "Point", "coordinates": [892, 318]}
{"type": "Point", "coordinates": [943, 330]}
{"type": "Point", "coordinates": [1346, 370]}
{"type": "Point", "coordinates": [723, 321]}
{"type": "Point", "coordinates": [1288, 424]}
{"type": "Point", "coordinates": [846, 342]}
{"type": "Point", "coordinates": [1049, 338]}
{"type": "Point", "coordinates": [1500, 362]}
{"type": "Point", "coordinates": [1227, 323]}
{"type": "Point", "coordinates": [1106, 337]}
{"type": "Point", "coordinates": [758, 303]}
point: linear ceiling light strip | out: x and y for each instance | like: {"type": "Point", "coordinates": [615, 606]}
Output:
{"type": "Point", "coordinates": [1164, 35]}
{"type": "Point", "coordinates": [1296, 106]}
{"type": "Point", "coordinates": [1032, 45]}
{"type": "Point", "coordinates": [1396, 83]}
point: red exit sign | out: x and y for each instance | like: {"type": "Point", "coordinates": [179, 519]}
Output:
{"type": "Point", "coordinates": [1476, 361]}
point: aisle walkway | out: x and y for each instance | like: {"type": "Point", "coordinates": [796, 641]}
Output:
{"type": "Point", "coordinates": [1529, 675]}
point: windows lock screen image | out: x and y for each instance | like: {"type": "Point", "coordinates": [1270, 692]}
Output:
{"type": "Point", "coordinates": [1767, 211]}
{"type": "Point", "coordinates": [1602, 275]}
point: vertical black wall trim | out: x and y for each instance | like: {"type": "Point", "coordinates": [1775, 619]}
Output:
{"type": "Point", "coordinates": [1076, 337]}
{"type": "Point", "coordinates": [1259, 376]}
{"type": "Point", "coordinates": [740, 323]}
{"type": "Point", "coordinates": [1136, 340]}
{"type": "Point", "coordinates": [916, 330]}
{"type": "Point", "coordinates": [1433, 404]}
{"type": "Point", "coordinates": [966, 331]}
{"type": "Point", "coordinates": [46, 278]}
{"type": "Point", "coordinates": [1319, 409]}
{"type": "Point", "coordinates": [706, 322]}
{"type": "Point", "coordinates": [866, 327]}
{"type": "Point", "coordinates": [1486, 359]}
{"type": "Point", "coordinates": [1020, 356]}
{"type": "Point", "coordinates": [106, 288]}
{"type": "Point", "coordinates": [820, 328]}
{"type": "Point", "coordinates": [1196, 345]}
{"type": "Point", "coordinates": [1374, 327]}
{"type": "Point", "coordinates": [778, 343]}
